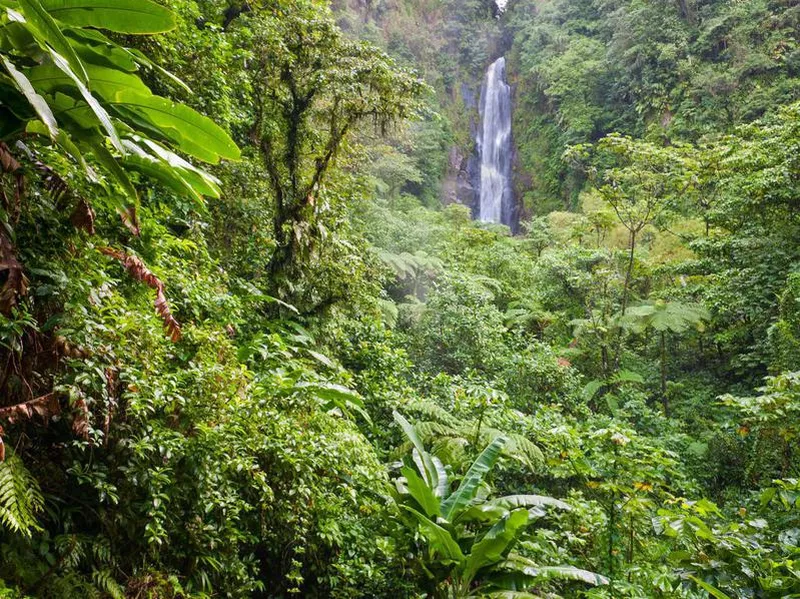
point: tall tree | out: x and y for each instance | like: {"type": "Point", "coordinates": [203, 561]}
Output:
{"type": "Point", "coordinates": [312, 87]}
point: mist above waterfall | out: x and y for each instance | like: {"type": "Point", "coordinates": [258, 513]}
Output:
{"type": "Point", "coordinates": [495, 147]}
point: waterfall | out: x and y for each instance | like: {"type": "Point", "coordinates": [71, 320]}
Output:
{"type": "Point", "coordinates": [496, 198]}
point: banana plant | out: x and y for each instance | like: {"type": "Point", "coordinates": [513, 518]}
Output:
{"type": "Point", "coordinates": [64, 81]}
{"type": "Point", "coordinates": [469, 538]}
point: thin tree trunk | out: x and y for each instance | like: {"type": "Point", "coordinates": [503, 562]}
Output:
{"type": "Point", "coordinates": [625, 293]}
{"type": "Point", "coordinates": [663, 356]}
{"type": "Point", "coordinates": [628, 272]}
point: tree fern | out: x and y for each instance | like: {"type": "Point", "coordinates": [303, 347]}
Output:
{"type": "Point", "coordinates": [20, 497]}
{"type": "Point", "coordinates": [675, 317]}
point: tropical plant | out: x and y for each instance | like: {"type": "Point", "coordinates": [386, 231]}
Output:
{"type": "Point", "coordinates": [68, 82]}
{"type": "Point", "coordinates": [452, 434]}
{"type": "Point", "coordinates": [638, 180]}
{"type": "Point", "coordinates": [20, 496]}
{"type": "Point", "coordinates": [312, 88]}
{"type": "Point", "coordinates": [469, 537]}
{"type": "Point", "coordinates": [665, 317]}
{"type": "Point", "coordinates": [772, 420]}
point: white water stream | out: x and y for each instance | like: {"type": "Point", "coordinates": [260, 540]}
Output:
{"type": "Point", "coordinates": [496, 200]}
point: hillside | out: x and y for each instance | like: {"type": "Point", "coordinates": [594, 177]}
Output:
{"type": "Point", "coordinates": [260, 336]}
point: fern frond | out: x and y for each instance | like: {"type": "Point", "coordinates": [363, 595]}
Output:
{"type": "Point", "coordinates": [104, 581]}
{"type": "Point", "coordinates": [20, 497]}
{"type": "Point", "coordinates": [430, 431]}
{"type": "Point", "coordinates": [432, 411]}
{"type": "Point", "coordinates": [451, 450]}
{"type": "Point", "coordinates": [517, 446]}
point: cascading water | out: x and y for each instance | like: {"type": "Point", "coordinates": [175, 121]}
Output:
{"type": "Point", "coordinates": [496, 198]}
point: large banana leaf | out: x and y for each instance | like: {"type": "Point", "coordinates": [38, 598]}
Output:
{"type": "Point", "coordinates": [520, 573]}
{"type": "Point", "coordinates": [466, 491]}
{"type": "Point", "coordinates": [95, 48]}
{"type": "Point", "coordinates": [104, 81]}
{"type": "Point", "coordinates": [511, 502]}
{"type": "Point", "coordinates": [154, 168]}
{"type": "Point", "coordinates": [434, 474]}
{"type": "Point", "coordinates": [421, 492]}
{"type": "Point", "coordinates": [121, 16]}
{"type": "Point", "coordinates": [102, 115]}
{"type": "Point", "coordinates": [36, 101]}
{"type": "Point", "coordinates": [491, 548]}
{"type": "Point", "coordinates": [439, 540]}
{"type": "Point", "coordinates": [497, 508]}
{"type": "Point", "coordinates": [188, 130]}
{"type": "Point", "coordinates": [115, 86]}
{"type": "Point", "coordinates": [201, 181]}
{"type": "Point", "coordinates": [48, 33]}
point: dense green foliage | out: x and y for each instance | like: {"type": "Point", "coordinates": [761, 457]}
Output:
{"type": "Point", "coordinates": [294, 372]}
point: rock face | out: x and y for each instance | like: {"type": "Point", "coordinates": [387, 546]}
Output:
{"type": "Point", "coordinates": [490, 104]}
{"type": "Point", "coordinates": [462, 184]}
{"type": "Point", "coordinates": [463, 180]}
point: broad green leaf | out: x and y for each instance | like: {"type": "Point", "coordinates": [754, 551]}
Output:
{"type": "Point", "coordinates": [490, 549]}
{"type": "Point", "coordinates": [421, 492]}
{"type": "Point", "coordinates": [591, 389]}
{"type": "Point", "coordinates": [97, 109]}
{"type": "Point", "coordinates": [331, 392]}
{"type": "Point", "coordinates": [493, 509]}
{"type": "Point", "coordinates": [466, 491]}
{"type": "Point", "coordinates": [510, 595]}
{"type": "Point", "coordinates": [767, 496]}
{"type": "Point", "coordinates": [50, 35]}
{"type": "Point", "coordinates": [92, 47]}
{"type": "Point", "coordinates": [157, 170]}
{"type": "Point", "coordinates": [483, 512]}
{"type": "Point", "coordinates": [16, 35]}
{"type": "Point", "coordinates": [120, 16]}
{"type": "Point", "coordinates": [104, 81]}
{"type": "Point", "coordinates": [36, 101]}
{"type": "Point", "coordinates": [439, 540]}
{"type": "Point", "coordinates": [520, 572]}
{"type": "Point", "coordinates": [188, 130]}
{"type": "Point", "coordinates": [570, 573]}
{"type": "Point", "coordinates": [426, 466]}
{"type": "Point", "coordinates": [713, 591]}
{"type": "Point", "coordinates": [200, 180]}
{"type": "Point", "coordinates": [440, 490]}
{"type": "Point", "coordinates": [511, 502]}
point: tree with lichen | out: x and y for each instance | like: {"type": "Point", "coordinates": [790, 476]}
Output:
{"type": "Point", "coordinates": [312, 88]}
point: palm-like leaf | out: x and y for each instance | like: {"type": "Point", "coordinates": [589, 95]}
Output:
{"type": "Point", "coordinates": [83, 91]}
{"type": "Point", "coordinates": [674, 317]}
{"type": "Point", "coordinates": [439, 540]}
{"type": "Point", "coordinates": [421, 492]}
{"type": "Point", "coordinates": [472, 480]}
{"type": "Point", "coordinates": [490, 511]}
{"type": "Point", "coordinates": [495, 543]}
{"type": "Point", "coordinates": [449, 436]}
{"type": "Point", "coordinates": [428, 469]}
{"type": "Point", "coordinates": [520, 573]}
{"type": "Point", "coordinates": [120, 16]}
